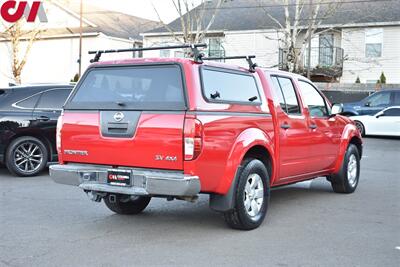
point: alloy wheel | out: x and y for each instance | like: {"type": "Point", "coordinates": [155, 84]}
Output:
{"type": "Point", "coordinates": [253, 195]}
{"type": "Point", "coordinates": [352, 170]}
{"type": "Point", "coordinates": [28, 157]}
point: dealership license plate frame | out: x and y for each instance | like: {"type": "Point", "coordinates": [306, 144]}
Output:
{"type": "Point", "coordinates": [121, 178]}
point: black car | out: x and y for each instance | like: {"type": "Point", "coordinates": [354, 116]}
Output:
{"type": "Point", "coordinates": [28, 120]}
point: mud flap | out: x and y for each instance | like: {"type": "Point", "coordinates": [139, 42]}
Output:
{"type": "Point", "coordinates": [223, 203]}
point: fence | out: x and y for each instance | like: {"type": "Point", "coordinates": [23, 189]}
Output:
{"type": "Point", "coordinates": [352, 92]}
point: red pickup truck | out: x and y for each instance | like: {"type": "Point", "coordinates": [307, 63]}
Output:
{"type": "Point", "coordinates": [175, 128]}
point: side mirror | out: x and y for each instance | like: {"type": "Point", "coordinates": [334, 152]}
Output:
{"type": "Point", "coordinates": [337, 109]}
{"type": "Point", "coordinates": [367, 104]}
{"type": "Point", "coordinates": [379, 114]}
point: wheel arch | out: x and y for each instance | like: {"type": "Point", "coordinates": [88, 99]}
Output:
{"type": "Point", "coordinates": [350, 135]}
{"type": "Point", "coordinates": [37, 135]}
{"type": "Point", "coordinates": [252, 143]}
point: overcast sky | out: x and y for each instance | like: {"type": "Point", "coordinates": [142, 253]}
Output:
{"type": "Point", "coordinates": [142, 8]}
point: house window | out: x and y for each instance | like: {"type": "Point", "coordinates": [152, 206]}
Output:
{"type": "Point", "coordinates": [326, 50]}
{"type": "Point", "coordinates": [373, 42]}
{"type": "Point", "coordinates": [165, 53]}
{"type": "Point", "coordinates": [215, 48]}
{"type": "Point", "coordinates": [179, 54]}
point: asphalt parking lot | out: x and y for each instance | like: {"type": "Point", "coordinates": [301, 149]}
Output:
{"type": "Point", "coordinates": [46, 224]}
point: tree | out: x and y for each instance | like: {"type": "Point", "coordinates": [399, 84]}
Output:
{"type": "Point", "coordinates": [358, 80]}
{"type": "Point", "coordinates": [15, 34]}
{"type": "Point", "coordinates": [292, 43]}
{"type": "Point", "coordinates": [382, 78]}
{"type": "Point", "coordinates": [193, 26]}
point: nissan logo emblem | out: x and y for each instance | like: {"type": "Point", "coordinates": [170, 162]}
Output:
{"type": "Point", "coordinates": [119, 116]}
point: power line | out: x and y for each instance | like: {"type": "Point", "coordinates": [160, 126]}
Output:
{"type": "Point", "coordinates": [294, 5]}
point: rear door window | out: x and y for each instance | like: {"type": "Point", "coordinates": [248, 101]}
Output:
{"type": "Point", "coordinates": [27, 103]}
{"type": "Point", "coordinates": [278, 93]}
{"type": "Point", "coordinates": [228, 86]}
{"type": "Point", "coordinates": [53, 99]}
{"type": "Point", "coordinates": [291, 103]}
{"type": "Point", "coordinates": [393, 112]}
{"type": "Point", "coordinates": [134, 88]}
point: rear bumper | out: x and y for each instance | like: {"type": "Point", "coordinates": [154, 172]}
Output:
{"type": "Point", "coordinates": [144, 181]}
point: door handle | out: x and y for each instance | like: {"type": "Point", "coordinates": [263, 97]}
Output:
{"type": "Point", "coordinates": [313, 126]}
{"type": "Point", "coordinates": [285, 126]}
{"type": "Point", "coordinates": [43, 118]}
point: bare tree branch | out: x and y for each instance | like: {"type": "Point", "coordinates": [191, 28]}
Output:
{"type": "Point", "coordinates": [191, 20]}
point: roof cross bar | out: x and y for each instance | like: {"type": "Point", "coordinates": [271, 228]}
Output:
{"type": "Point", "coordinates": [197, 56]}
{"type": "Point", "coordinates": [252, 65]}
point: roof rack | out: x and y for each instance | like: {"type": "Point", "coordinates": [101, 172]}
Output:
{"type": "Point", "coordinates": [197, 56]}
{"type": "Point", "coordinates": [252, 65]}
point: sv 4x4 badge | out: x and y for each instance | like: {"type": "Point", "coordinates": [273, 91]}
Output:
{"type": "Point", "coordinates": [166, 158]}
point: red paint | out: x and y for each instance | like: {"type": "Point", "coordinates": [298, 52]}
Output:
{"type": "Point", "coordinates": [221, 139]}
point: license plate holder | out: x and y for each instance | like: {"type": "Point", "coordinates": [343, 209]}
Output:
{"type": "Point", "coordinates": [119, 177]}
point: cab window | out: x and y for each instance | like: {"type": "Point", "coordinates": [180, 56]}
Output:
{"type": "Point", "coordinates": [379, 99]}
{"type": "Point", "coordinates": [314, 101]}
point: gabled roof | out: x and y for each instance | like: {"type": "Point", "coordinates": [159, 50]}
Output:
{"type": "Point", "coordinates": [97, 20]}
{"type": "Point", "coordinates": [241, 15]}
{"type": "Point", "coordinates": [111, 23]}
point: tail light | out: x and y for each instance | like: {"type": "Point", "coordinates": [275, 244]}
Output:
{"type": "Point", "coordinates": [193, 138]}
{"type": "Point", "coordinates": [58, 135]}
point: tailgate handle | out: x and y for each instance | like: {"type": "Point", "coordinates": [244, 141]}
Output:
{"type": "Point", "coordinates": [117, 127]}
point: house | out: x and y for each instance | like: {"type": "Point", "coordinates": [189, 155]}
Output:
{"type": "Point", "coordinates": [54, 57]}
{"type": "Point", "coordinates": [359, 39]}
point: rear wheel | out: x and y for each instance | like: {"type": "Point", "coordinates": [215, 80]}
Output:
{"type": "Point", "coordinates": [26, 156]}
{"type": "Point", "coordinates": [251, 197]}
{"type": "Point", "coordinates": [346, 180]}
{"type": "Point", "coordinates": [360, 127]}
{"type": "Point", "coordinates": [123, 204]}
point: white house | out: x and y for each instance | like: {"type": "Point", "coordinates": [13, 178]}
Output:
{"type": "Point", "coordinates": [54, 57]}
{"type": "Point", "coordinates": [361, 39]}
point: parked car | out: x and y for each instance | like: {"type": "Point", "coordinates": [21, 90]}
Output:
{"type": "Point", "coordinates": [385, 122]}
{"type": "Point", "coordinates": [373, 103]}
{"type": "Point", "coordinates": [28, 118]}
{"type": "Point", "coordinates": [175, 128]}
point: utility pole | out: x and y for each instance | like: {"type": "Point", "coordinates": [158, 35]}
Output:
{"type": "Point", "coordinates": [80, 38]}
{"type": "Point", "coordinates": [310, 23]}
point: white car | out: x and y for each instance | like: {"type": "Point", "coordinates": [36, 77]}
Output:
{"type": "Point", "coordinates": [385, 122]}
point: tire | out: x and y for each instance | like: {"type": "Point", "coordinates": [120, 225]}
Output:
{"type": "Point", "coordinates": [250, 208]}
{"type": "Point", "coordinates": [360, 127]}
{"type": "Point", "coordinates": [26, 156]}
{"type": "Point", "coordinates": [347, 179]}
{"type": "Point", "coordinates": [124, 205]}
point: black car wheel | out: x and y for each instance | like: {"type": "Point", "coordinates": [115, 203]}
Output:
{"type": "Point", "coordinates": [360, 127]}
{"type": "Point", "coordinates": [347, 179]}
{"type": "Point", "coordinates": [251, 197]}
{"type": "Point", "coordinates": [26, 156]}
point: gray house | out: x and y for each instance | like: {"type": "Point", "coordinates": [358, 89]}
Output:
{"type": "Point", "coordinates": [360, 39]}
